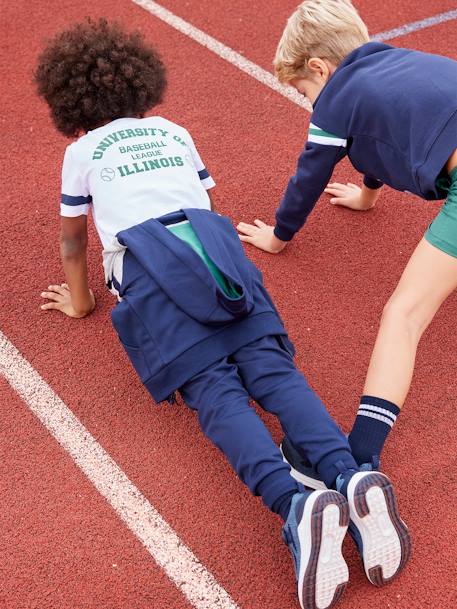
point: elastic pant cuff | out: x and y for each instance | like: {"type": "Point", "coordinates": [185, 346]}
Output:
{"type": "Point", "coordinates": [275, 485]}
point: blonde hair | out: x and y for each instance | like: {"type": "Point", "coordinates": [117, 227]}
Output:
{"type": "Point", "coordinates": [328, 29]}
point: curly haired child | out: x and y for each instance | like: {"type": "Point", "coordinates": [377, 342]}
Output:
{"type": "Point", "coordinates": [192, 312]}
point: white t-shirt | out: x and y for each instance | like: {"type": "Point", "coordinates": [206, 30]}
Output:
{"type": "Point", "coordinates": [129, 171]}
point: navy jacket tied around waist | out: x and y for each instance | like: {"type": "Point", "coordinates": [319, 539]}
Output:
{"type": "Point", "coordinates": [174, 320]}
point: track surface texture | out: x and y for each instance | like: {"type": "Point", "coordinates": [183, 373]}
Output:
{"type": "Point", "coordinates": [63, 546]}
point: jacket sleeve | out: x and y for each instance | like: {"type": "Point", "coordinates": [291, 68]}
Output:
{"type": "Point", "coordinates": [314, 169]}
{"type": "Point", "coordinates": [372, 183]}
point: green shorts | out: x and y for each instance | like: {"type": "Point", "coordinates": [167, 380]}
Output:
{"type": "Point", "coordinates": [442, 232]}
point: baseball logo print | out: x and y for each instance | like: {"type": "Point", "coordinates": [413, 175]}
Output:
{"type": "Point", "coordinates": [107, 174]}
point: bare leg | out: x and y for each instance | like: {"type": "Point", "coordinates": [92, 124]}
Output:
{"type": "Point", "coordinates": [428, 279]}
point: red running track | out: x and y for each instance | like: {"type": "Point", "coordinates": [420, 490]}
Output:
{"type": "Point", "coordinates": [61, 537]}
{"type": "Point", "coordinates": [254, 28]}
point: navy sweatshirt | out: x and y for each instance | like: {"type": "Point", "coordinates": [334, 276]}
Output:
{"type": "Point", "coordinates": [174, 320]}
{"type": "Point", "coordinates": [393, 112]}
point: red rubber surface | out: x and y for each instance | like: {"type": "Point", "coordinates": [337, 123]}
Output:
{"type": "Point", "coordinates": [61, 545]}
{"type": "Point", "coordinates": [439, 39]}
{"type": "Point", "coordinates": [254, 28]}
{"type": "Point", "coordinates": [330, 287]}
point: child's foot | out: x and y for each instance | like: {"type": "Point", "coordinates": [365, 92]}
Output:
{"type": "Point", "coordinates": [314, 532]}
{"type": "Point", "coordinates": [381, 536]}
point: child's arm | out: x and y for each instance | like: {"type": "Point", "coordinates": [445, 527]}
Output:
{"type": "Point", "coordinates": [73, 298]}
{"type": "Point", "coordinates": [351, 196]}
{"type": "Point", "coordinates": [210, 193]}
{"type": "Point", "coordinates": [314, 169]}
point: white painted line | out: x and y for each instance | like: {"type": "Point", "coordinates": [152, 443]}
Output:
{"type": "Point", "coordinates": [415, 25]}
{"type": "Point", "coordinates": [252, 68]}
{"type": "Point", "coordinates": [182, 567]}
{"type": "Point", "coordinates": [225, 52]}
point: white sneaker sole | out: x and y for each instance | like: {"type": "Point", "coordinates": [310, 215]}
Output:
{"type": "Point", "coordinates": [323, 571]}
{"type": "Point", "coordinates": [385, 537]}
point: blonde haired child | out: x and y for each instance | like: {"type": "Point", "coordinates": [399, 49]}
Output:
{"type": "Point", "coordinates": [393, 112]}
{"type": "Point", "coordinates": [329, 29]}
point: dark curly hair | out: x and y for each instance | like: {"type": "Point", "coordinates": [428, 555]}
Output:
{"type": "Point", "coordinates": [95, 72]}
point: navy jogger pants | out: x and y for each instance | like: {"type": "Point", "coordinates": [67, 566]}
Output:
{"type": "Point", "coordinates": [266, 372]}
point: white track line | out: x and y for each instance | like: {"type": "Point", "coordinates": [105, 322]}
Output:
{"type": "Point", "coordinates": [415, 25]}
{"type": "Point", "coordinates": [251, 68]}
{"type": "Point", "coordinates": [223, 51]}
{"type": "Point", "coordinates": [178, 562]}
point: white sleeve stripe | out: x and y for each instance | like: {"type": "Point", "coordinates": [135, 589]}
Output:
{"type": "Point", "coordinates": [327, 141]}
{"type": "Point", "coordinates": [208, 183]}
{"type": "Point", "coordinates": [72, 211]}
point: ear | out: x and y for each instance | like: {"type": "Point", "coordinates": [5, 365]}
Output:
{"type": "Point", "coordinates": [319, 68]}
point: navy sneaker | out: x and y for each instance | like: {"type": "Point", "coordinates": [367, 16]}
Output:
{"type": "Point", "coordinates": [302, 470]}
{"type": "Point", "coordinates": [314, 532]}
{"type": "Point", "coordinates": [381, 536]}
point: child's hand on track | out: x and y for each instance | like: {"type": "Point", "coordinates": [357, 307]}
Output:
{"type": "Point", "coordinates": [60, 299]}
{"type": "Point", "coordinates": [262, 236]}
{"type": "Point", "coordinates": [348, 195]}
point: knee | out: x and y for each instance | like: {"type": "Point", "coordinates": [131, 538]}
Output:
{"type": "Point", "coordinates": [405, 315]}
{"type": "Point", "coordinates": [216, 417]}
